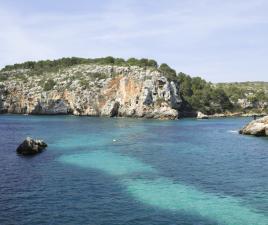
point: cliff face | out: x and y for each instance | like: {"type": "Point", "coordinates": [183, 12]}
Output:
{"type": "Point", "coordinates": [92, 90]}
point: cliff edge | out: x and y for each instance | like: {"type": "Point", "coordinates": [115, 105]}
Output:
{"type": "Point", "coordinates": [92, 90]}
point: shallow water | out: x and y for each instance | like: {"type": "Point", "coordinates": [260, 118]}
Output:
{"type": "Point", "coordinates": [127, 171]}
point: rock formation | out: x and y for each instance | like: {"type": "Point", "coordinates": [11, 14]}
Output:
{"type": "Point", "coordinates": [93, 90]}
{"type": "Point", "coordinates": [30, 146]}
{"type": "Point", "coordinates": [201, 115]}
{"type": "Point", "coordinates": [257, 127]}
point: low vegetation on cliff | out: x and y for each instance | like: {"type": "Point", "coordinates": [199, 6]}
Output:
{"type": "Point", "coordinates": [45, 66]}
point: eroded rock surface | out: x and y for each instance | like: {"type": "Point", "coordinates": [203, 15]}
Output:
{"type": "Point", "coordinates": [30, 146]}
{"type": "Point", "coordinates": [257, 127]}
{"type": "Point", "coordinates": [92, 90]}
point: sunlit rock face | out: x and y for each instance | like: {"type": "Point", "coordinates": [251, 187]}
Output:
{"type": "Point", "coordinates": [92, 90]}
{"type": "Point", "coordinates": [257, 127]}
{"type": "Point", "coordinates": [2, 97]}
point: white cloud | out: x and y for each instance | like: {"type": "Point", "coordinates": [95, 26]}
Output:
{"type": "Point", "coordinates": [193, 36]}
{"type": "Point", "coordinates": [16, 43]}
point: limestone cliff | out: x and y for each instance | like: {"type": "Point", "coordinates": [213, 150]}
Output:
{"type": "Point", "coordinates": [93, 90]}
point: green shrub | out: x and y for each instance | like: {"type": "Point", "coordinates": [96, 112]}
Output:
{"type": "Point", "coordinates": [142, 62]}
{"type": "Point", "coordinates": [168, 72]}
{"type": "Point", "coordinates": [49, 85]}
{"type": "Point", "coordinates": [119, 62]}
{"type": "Point", "coordinates": [203, 96]}
{"type": "Point", "coordinates": [84, 83]}
{"type": "Point", "coordinates": [97, 76]}
{"type": "Point", "coordinates": [46, 66]}
{"type": "Point", "coordinates": [3, 78]}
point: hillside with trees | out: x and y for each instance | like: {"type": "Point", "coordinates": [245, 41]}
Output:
{"type": "Point", "coordinates": [197, 94]}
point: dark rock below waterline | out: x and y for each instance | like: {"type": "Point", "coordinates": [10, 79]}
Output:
{"type": "Point", "coordinates": [257, 127]}
{"type": "Point", "coordinates": [30, 146]}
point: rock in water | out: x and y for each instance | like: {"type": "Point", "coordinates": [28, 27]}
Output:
{"type": "Point", "coordinates": [30, 146]}
{"type": "Point", "coordinates": [201, 115]}
{"type": "Point", "coordinates": [257, 127]}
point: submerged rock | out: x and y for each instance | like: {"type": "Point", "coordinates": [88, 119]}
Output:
{"type": "Point", "coordinates": [30, 146]}
{"type": "Point", "coordinates": [257, 127]}
{"type": "Point", "coordinates": [201, 115]}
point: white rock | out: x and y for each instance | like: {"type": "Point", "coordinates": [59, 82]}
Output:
{"type": "Point", "coordinates": [257, 127]}
{"type": "Point", "coordinates": [201, 115]}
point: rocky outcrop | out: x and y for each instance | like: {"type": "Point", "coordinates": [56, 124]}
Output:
{"type": "Point", "coordinates": [246, 104]}
{"type": "Point", "coordinates": [201, 115]}
{"type": "Point", "coordinates": [92, 90]}
{"type": "Point", "coordinates": [30, 146]}
{"type": "Point", "coordinates": [257, 127]}
{"type": "Point", "coordinates": [2, 98]}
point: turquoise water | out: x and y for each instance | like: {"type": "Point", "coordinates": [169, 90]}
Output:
{"type": "Point", "coordinates": [127, 171]}
{"type": "Point", "coordinates": [111, 163]}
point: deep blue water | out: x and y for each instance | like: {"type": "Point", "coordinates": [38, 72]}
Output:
{"type": "Point", "coordinates": [102, 171]}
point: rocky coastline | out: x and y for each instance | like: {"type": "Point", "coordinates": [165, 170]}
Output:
{"type": "Point", "coordinates": [236, 114]}
{"type": "Point", "coordinates": [92, 90]}
{"type": "Point", "coordinates": [104, 90]}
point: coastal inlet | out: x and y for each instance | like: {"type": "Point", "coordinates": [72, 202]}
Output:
{"type": "Point", "coordinates": [120, 171]}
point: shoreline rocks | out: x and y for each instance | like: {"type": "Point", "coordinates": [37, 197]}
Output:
{"type": "Point", "coordinates": [102, 90]}
{"type": "Point", "coordinates": [257, 127]}
{"type": "Point", "coordinates": [201, 115]}
{"type": "Point", "coordinates": [236, 114]}
{"type": "Point", "coordinates": [30, 146]}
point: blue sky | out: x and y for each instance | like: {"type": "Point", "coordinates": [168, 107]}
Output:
{"type": "Point", "coordinates": [215, 39]}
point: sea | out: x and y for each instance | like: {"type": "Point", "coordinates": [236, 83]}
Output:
{"type": "Point", "coordinates": [125, 171]}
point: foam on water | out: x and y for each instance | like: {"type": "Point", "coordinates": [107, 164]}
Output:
{"type": "Point", "coordinates": [109, 162]}
{"type": "Point", "coordinates": [233, 131]}
{"type": "Point", "coordinates": [165, 194]}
